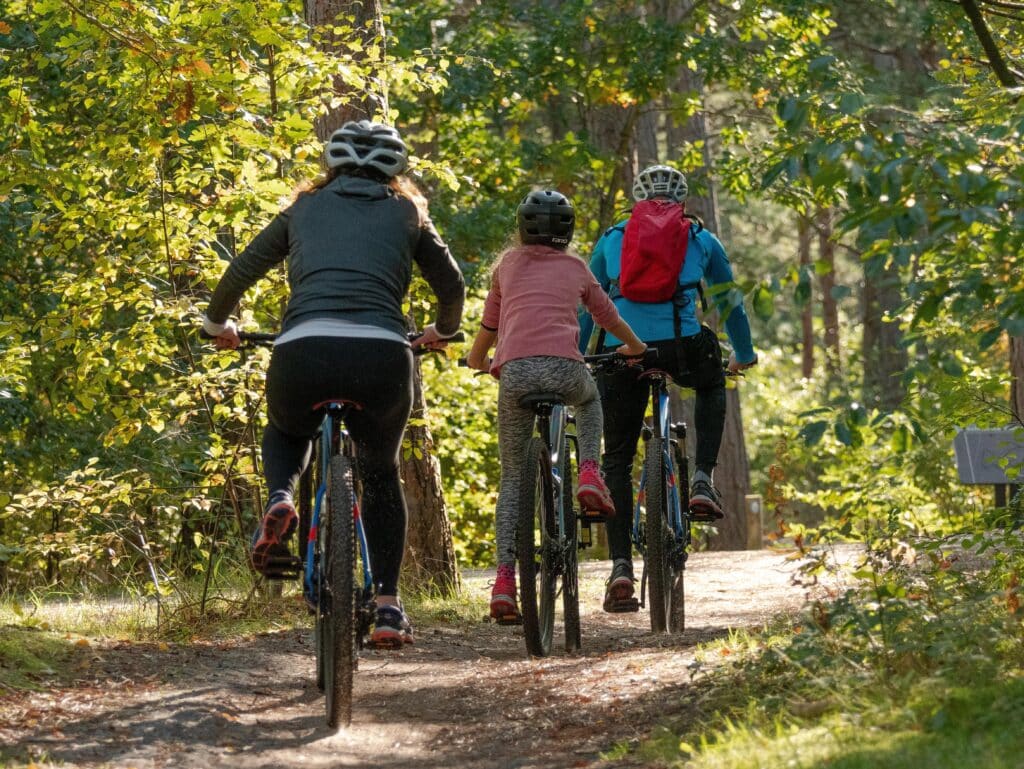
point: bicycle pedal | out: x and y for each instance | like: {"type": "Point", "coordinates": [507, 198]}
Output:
{"type": "Point", "coordinates": [705, 516]}
{"type": "Point", "coordinates": [509, 619]}
{"type": "Point", "coordinates": [624, 605]}
{"type": "Point", "coordinates": [593, 516]}
{"type": "Point", "coordinates": [279, 567]}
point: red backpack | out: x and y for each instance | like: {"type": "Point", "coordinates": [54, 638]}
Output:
{"type": "Point", "coordinates": [653, 250]}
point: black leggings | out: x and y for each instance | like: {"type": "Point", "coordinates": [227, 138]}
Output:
{"type": "Point", "coordinates": [624, 398]}
{"type": "Point", "coordinates": [375, 373]}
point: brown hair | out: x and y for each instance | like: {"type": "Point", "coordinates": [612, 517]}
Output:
{"type": "Point", "coordinates": [401, 185]}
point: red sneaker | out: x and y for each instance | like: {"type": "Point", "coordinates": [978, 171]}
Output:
{"type": "Point", "coordinates": [391, 628]}
{"type": "Point", "coordinates": [591, 490]}
{"type": "Point", "coordinates": [504, 609]}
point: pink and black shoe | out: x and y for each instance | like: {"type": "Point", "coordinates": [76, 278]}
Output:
{"type": "Point", "coordinates": [504, 609]}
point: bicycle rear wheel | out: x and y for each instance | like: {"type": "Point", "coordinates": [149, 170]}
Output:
{"type": "Point", "coordinates": [339, 558]}
{"type": "Point", "coordinates": [657, 546]}
{"type": "Point", "coordinates": [536, 528]}
{"type": "Point", "coordinates": [570, 555]}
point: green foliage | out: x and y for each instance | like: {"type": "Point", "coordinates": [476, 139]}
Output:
{"type": "Point", "coordinates": [923, 658]}
{"type": "Point", "coordinates": [145, 142]}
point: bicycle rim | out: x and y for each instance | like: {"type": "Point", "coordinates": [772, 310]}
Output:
{"type": "Point", "coordinates": [339, 557]}
{"type": "Point", "coordinates": [570, 557]}
{"type": "Point", "coordinates": [656, 531]}
{"type": "Point", "coordinates": [535, 525]}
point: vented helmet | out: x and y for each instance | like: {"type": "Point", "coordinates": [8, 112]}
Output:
{"type": "Point", "coordinates": [364, 144]}
{"type": "Point", "coordinates": [660, 182]}
{"type": "Point", "coordinates": [546, 217]}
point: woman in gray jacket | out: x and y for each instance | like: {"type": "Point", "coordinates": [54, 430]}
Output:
{"type": "Point", "coordinates": [350, 243]}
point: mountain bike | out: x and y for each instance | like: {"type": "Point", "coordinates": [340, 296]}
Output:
{"type": "Point", "coordinates": [546, 528]}
{"type": "Point", "coordinates": [662, 518]}
{"type": "Point", "coordinates": [549, 523]}
{"type": "Point", "coordinates": [337, 580]}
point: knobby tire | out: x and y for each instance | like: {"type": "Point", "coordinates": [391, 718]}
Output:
{"type": "Point", "coordinates": [535, 526]}
{"type": "Point", "coordinates": [570, 561]}
{"type": "Point", "coordinates": [658, 537]}
{"type": "Point", "coordinates": [339, 564]}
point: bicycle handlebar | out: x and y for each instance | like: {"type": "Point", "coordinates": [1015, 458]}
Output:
{"type": "Point", "coordinates": [267, 339]}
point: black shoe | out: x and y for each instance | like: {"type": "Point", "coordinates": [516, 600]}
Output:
{"type": "Point", "coordinates": [705, 503]}
{"type": "Point", "coordinates": [618, 594]}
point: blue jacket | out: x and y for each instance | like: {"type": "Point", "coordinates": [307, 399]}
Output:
{"type": "Point", "coordinates": [705, 259]}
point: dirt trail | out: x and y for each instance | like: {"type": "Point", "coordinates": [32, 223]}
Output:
{"type": "Point", "coordinates": [458, 698]}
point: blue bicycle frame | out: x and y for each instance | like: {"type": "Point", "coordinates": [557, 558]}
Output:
{"type": "Point", "coordinates": [333, 423]}
{"type": "Point", "coordinates": [675, 509]}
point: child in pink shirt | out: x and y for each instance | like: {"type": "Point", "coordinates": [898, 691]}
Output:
{"type": "Point", "coordinates": [531, 312]}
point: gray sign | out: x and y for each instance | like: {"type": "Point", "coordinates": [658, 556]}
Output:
{"type": "Point", "coordinates": [990, 456]}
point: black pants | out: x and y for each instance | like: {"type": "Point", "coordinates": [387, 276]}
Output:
{"type": "Point", "coordinates": [375, 373]}
{"type": "Point", "coordinates": [694, 362]}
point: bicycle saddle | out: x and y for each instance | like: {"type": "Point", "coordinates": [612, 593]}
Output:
{"type": "Point", "coordinates": [536, 399]}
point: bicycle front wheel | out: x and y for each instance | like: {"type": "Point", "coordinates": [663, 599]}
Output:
{"type": "Point", "coordinates": [535, 531]}
{"type": "Point", "coordinates": [570, 556]}
{"type": "Point", "coordinates": [339, 557]}
{"type": "Point", "coordinates": [657, 546]}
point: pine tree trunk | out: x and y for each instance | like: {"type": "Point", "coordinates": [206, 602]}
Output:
{"type": "Point", "coordinates": [882, 350]}
{"type": "Point", "coordinates": [430, 551]}
{"type": "Point", "coordinates": [429, 548]}
{"type": "Point", "coordinates": [367, 19]}
{"type": "Point", "coordinates": [829, 307]}
{"type": "Point", "coordinates": [807, 314]}
{"type": "Point", "coordinates": [1017, 378]}
{"type": "Point", "coordinates": [732, 477]}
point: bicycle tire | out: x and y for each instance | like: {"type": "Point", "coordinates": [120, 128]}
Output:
{"type": "Point", "coordinates": [570, 556]}
{"type": "Point", "coordinates": [677, 603]}
{"type": "Point", "coordinates": [339, 561]}
{"type": "Point", "coordinates": [535, 525]}
{"type": "Point", "coordinates": [656, 551]}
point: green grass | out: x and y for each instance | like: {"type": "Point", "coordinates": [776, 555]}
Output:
{"type": "Point", "coordinates": [38, 631]}
{"type": "Point", "coordinates": [922, 669]}
{"type": "Point", "coordinates": [29, 657]}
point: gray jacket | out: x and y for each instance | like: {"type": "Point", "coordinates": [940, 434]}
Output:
{"type": "Point", "coordinates": [350, 248]}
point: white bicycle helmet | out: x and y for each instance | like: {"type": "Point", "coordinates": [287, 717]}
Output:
{"type": "Point", "coordinates": [660, 182]}
{"type": "Point", "coordinates": [364, 144]}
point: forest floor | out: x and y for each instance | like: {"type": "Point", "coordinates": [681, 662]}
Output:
{"type": "Point", "coordinates": [463, 696]}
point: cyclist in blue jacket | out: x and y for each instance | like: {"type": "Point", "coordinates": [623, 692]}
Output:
{"type": "Point", "coordinates": [692, 356]}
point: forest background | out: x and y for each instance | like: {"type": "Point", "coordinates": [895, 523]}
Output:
{"type": "Point", "coordinates": [861, 161]}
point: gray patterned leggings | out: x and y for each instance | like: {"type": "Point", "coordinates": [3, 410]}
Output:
{"type": "Point", "coordinates": [519, 377]}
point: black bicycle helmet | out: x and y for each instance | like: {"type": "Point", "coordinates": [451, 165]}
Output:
{"type": "Point", "coordinates": [362, 144]}
{"type": "Point", "coordinates": [546, 217]}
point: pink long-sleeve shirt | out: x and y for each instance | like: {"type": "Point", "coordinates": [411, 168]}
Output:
{"type": "Point", "coordinates": [534, 296]}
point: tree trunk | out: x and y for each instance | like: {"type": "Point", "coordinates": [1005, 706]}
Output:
{"type": "Point", "coordinates": [367, 19]}
{"type": "Point", "coordinates": [430, 551]}
{"type": "Point", "coordinates": [1017, 378]}
{"type": "Point", "coordinates": [807, 314]}
{"type": "Point", "coordinates": [882, 350]}
{"type": "Point", "coordinates": [829, 307]}
{"type": "Point", "coordinates": [429, 548]}
{"type": "Point", "coordinates": [732, 477]}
